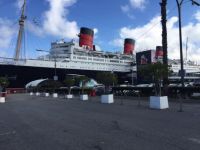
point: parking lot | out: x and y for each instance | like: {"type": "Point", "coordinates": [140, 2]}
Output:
{"type": "Point", "coordinates": [40, 123]}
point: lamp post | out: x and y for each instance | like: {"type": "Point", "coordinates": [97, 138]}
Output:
{"type": "Point", "coordinates": [55, 73]}
{"type": "Point", "coordinates": [179, 4]}
{"type": "Point", "coordinates": [182, 72]}
{"type": "Point", "coordinates": [113, 75]}
{"type": "Point", "coordinates": [132, 76]}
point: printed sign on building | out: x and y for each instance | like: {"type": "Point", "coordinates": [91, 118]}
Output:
{"type": "Point", "coordinates": [142, 59]}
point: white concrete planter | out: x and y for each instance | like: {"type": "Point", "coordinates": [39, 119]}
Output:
{"type": "Point", "coordinates": [84, 97]}
{"type": "Point", "coordinates": [46, 94]}
{"type": "Point", "coordinates": [2, 99]}
{"type": "Point", "coordinates": [108, 99]}
{"type": "Point", "coordinates": [69, 96]}
{"type": "Point", "coordinates": [55, 95]}
{"type": "Point", "coordinates": [37, 93]}
{"type": "Point", "coordinates": [159, 102]}
{"type": "Point", "coordinates": [31, 93]}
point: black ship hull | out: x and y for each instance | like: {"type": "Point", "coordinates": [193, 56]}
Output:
{"type": "Point", "coordinates": [19, 76]}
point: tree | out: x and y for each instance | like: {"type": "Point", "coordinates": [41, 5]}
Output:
{"type": "Point", "coordinates": [49, 85]}
{"type": "Point", "coordinates": [106, 78]}
{"type": "Point", "coordinates": [157, 72]}
{"type": "Point", "coordinates": [82, 80]}
{"type": "Point", "coordinates": [4, 82]}
{"type": "Point", "coordinates": [69, 81]}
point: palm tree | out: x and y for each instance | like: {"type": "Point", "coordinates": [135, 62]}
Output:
{"type": "Point", "coordinates": [163, 5]}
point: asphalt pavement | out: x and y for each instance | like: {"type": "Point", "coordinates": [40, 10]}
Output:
{"type": "Point", "coordinates": [40, 123]}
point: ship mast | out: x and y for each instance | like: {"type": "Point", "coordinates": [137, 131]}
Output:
{"type": "Point", "coordinates": [21, 32]}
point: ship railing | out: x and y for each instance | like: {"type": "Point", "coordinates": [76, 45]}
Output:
{"type": "Point", "coordinates": [6, 60]}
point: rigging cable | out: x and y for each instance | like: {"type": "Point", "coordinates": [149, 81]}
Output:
{"type": "Point", "coordinates": [154, 25]}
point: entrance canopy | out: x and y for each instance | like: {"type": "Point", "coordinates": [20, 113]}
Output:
{"type": "Point", "coordinates": [35, 83]}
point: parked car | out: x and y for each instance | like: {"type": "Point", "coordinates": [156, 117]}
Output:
{"type": "Point", "coordinates": [197, 83]}
{"type": "Point", "coordinates": [145, 85]}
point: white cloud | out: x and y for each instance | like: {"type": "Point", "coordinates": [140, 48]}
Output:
{"type": "Point", "coordinates": [140, 4]}
{"type": "Point", "coordinates": [36, 29]}
{"type": "Point", "coordinates": [133, 4]}
{"type": "Point", "coordinates": [117, 42]}
{"type": "Point", "coordinates": [19, 4]}
{"type": "Point", "coordinates": [56, 22]}
{"type": "Point", "coordinates": [7, 30]}
{"type": "Point", "coordinates": [95, 30]}
{"type": "Point", "coordinates": [148, 36]}
{"type": "Point", "coordinates": [98, 48]}
{"type": "Point", "coordinates": [125, 8]}
{"type": "Point", "coordinates": [197, 15]}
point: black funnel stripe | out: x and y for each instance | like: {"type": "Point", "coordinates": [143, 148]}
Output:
{"type": "Point", "coordinates": [87, 31]}
{"type": "Point", "coordinates": [160, 48]}
{"type": "Point", "coordinates": [130, 41]}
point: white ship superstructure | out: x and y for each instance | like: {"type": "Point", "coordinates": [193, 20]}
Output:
{"type": "Point", "coordinates": [71, 56]}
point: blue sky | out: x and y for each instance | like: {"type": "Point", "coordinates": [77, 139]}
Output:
{"type": "Point", "coordinates": [113, 20]}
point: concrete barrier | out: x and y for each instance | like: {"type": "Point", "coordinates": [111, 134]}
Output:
{"type": "Point", "coordinates": [2, 99]}
{"type": "Point", "coordinates": [107, 99]}
{"type": "Point", "coordinates": [159, 102]}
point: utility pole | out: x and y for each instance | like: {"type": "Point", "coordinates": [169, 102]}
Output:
{"type": "Point", "coordinates": [163, 5]}
{"type": "Point", "coordinates": [186, 49]}
{"type": "Point", "coordinates": [179, 4]}
{"type": "Point", "coordinates": [182, 71]}
{"type": "Point", "coordinates": [132, 76]}
{"type": "Point", "coordinates": [21, 31]}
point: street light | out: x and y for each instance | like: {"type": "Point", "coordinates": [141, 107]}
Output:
{"type": "Point", "coordinates": [195, 3]}
{"type": "Point", "coordinates": [182, 71]}
{"type": "Point", "coordinates": [132, 76]}
{"type": "Point", "coordinates": [113, 75]}
{"type": "Point", "coordinates": [55, 74]}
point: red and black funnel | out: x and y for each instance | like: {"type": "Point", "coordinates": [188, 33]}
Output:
{"type": "Point", "coordinates": [86, 38]}
{"type": "Point", "coordinates": [129, 46]}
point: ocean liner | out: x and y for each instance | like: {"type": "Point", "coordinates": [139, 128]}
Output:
{"type": "Point", "coordinates": [76, 58]}
{"type": "Point", "coordinates": [70, 58]}
{"type": "Point", "coordinates": [66, 58]}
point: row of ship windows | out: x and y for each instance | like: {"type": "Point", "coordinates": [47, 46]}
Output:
{"type": "Point", "coordinates": [94, 68]}
{"type": "Point", "coordinates": [101, 64]}
{"type": "Point", "coordinates": [178, 68]}
{"type": "Point", "coordinates": [96, 59]}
